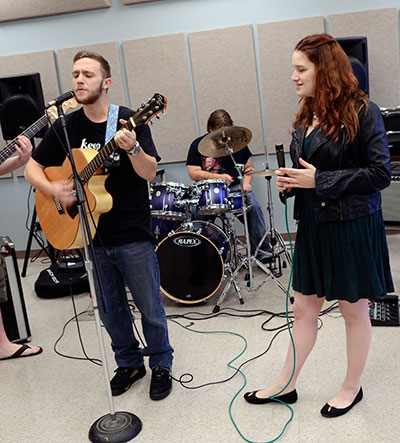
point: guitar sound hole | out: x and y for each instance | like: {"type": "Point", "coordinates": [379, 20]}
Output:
{"type": "Point", "coordinates": [73, 211]}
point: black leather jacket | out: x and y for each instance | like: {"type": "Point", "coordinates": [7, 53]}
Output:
{"type": "Point", "coordinates": [349, 176]}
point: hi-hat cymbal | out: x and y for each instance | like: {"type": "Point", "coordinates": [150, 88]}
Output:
{"type": "Point", "coordinates": [263, 173]}
{"type": "Point", "coordinates": [224, 141]}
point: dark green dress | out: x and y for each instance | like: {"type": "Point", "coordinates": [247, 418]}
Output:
{"type": "Point", "coordinates": [343, 260]}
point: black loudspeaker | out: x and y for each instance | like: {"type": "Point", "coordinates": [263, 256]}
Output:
{"type": "Point", "coordinates": [13, 311]}
{"type": "Point", "coordinates": [21, 104]}
{"type": "Point", "coordinates": [357, 50]}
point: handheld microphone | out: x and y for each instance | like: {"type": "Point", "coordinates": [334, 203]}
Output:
{"type": "Point", "coordinates": [59, 100]}
{"type": "Point", "coordinates": [280, 155]}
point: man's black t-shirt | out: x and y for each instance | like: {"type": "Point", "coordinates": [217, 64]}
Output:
{"type": "Point", "coordinates": [129, 218]}
{"type": "Point", "coordinates": [220, 165]}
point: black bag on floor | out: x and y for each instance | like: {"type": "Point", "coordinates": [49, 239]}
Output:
{"type": "Point", "coordinates": [61, 279]}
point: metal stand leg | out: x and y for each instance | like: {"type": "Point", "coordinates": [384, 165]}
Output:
{"type": "Point", "coordinates": [50, 251]}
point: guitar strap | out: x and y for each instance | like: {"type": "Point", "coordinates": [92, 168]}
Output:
{"type": "Point", "coordinates": [111, 129]}
{"type": "Point", "coordinates": [112, 119]}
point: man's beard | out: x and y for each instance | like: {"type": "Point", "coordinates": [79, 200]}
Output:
{"type": "Point", "coordinates": [92, 97]}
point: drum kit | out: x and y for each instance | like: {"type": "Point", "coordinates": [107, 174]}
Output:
{"type": "Point", "coordinates": [195, 254]}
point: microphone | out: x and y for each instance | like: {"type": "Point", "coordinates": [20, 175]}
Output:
{"type": "Point", "coordinates": [280, 155]}
{"type": "Point", "coordinates": [59, 100]}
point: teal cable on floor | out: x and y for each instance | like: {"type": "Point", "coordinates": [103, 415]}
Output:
{"type": "Point", "coordinates": [245, 347]}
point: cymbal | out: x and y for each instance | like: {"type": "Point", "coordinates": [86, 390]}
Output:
{"type": "Point", "coordinates": [263, 173]}
{"type": "Point", "coordinates": [224, 141]}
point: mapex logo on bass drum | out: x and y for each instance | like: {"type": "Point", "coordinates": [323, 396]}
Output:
{"type": "Point", "coordinates": [188, 242]}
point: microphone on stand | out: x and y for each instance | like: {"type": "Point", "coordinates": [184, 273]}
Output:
{"type": "Point", "coordinates": [59, 100]}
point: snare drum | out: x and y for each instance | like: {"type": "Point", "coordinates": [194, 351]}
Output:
{"type": "Point", "coordinates": [235, 200]}
{"type": "Point", "coordinates": [213, 196]}
{"type": "Point", "coordinates": [192, 262]}
{"type": "Point", "coordinates": [164, 200]}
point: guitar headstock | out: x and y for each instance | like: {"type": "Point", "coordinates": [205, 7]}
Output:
{"type": "Point", "coordinates": [52, 112]}
{"type": "Point", "coordinates": [149, 110]}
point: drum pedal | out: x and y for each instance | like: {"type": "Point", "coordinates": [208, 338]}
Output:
{"type": "Point", "coordinates": [247, 276]}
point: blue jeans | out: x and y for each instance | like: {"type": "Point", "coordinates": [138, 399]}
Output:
{"type": "Point", "coordinates": [257, 228]}
{"type": "Point", "coordinates": [134, 264]}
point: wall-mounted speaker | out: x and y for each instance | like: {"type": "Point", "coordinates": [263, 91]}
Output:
{"type": "Point", "coordinates": [357, 50]}
{"type": "Point", "coordinates": [21, 104]}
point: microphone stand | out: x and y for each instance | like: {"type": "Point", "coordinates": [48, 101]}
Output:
{"type": "Point", "coordinates": [120, 426]}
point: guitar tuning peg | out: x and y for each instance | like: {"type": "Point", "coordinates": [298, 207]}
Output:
{"type": "Point", "coordinates": [151, 122]}
{"type": "Point", "coordinates": [142, 105]}
{"type": "Point", "coordinates": [158, 117]}
{"type": "Point", "coordinates": [164, 112]}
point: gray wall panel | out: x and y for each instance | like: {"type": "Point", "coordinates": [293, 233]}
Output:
{"type": "Point", "coordinates": [276, 43]}
{"type": "Point", "coordinates": [160, 64]}
{"type": "Point", "coordinates": [21, 9]}
{"type": "Point", "coordinates": [224, 72]}
{"type": "Point", "coordinates": [132, 2]}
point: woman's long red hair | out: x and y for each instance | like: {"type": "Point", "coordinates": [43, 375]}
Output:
{"type": "Point", "coordinates": [336, 89]}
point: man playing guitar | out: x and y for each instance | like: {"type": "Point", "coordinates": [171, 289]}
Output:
{"type": "Point", "coordinates": [123, 239]}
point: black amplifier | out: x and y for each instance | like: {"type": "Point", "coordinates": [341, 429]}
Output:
{"type": "Point", "coordinates": [391, 120]}
{"type": "Point", "coordinates": [13, 311]}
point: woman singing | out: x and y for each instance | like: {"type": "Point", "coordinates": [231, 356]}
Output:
{"type": "Point", "coordinates": [341, 163]}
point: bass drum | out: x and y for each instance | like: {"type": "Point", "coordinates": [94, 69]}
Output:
{"type": "Point", "coordinates": [192, 262]}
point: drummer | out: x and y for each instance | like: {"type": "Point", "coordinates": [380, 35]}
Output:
{"type": "Point", "coordinates": [208, 168]}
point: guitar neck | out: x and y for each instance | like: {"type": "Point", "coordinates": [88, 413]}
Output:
{"type": "Point", "coordinates": [103, 154]}
{"type": "Point", "coordinates": [30, 132]}
{"type": "Point", "coordinates": [144, 114]}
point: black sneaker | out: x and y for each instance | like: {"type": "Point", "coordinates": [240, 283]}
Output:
{"type": "Point", "coordinates": [161, 383]}
{"type": "Point", "coordinates": [124, 379]}
{"type": "Point", "coordinates": [266, 257]}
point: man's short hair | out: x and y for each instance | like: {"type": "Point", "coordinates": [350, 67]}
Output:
{"type": "Point", "coordinates": [105, 66]}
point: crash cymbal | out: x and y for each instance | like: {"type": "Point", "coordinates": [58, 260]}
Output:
{"type": "Point", "coordinates": [263, 173]}
{"type": "Point", "coordinates": [223, 141]}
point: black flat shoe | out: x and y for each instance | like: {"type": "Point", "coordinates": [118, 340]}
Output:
{"type": "Point", "coordinates": [330, 411]}
{"type": "Point", "coordinates": [289, 398]}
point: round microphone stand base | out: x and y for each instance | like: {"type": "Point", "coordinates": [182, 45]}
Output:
{"type": "Point", "coordinates": [120, 427]}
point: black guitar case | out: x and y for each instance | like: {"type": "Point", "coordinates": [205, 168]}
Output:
{"type": "Point", "coordinates": [62, 278]}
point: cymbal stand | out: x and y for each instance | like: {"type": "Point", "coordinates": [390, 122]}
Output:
{"type": "Point", "coordinates": [278, 245]}
{"type": "Point", "coordinates": [248, 260]}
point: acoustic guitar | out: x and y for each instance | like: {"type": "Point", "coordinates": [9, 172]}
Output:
{"type": "Point", "coordinates": [51, 114]}
{"type": "Point", "coordinates": [61, 225]}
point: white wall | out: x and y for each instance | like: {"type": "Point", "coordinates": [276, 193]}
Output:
{"type": "Point", "coordinates": [120, 23]}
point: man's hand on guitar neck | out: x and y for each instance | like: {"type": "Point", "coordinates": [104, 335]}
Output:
{"type": "Point", "coordinates": [125, 139]}
{"type": "Point", "coordinates": [64, 192]}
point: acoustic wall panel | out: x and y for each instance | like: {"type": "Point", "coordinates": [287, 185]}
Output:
{"type": "Point", "coordinates": [110, 52]}
{"type": "Point", "coordinates": [132, 2]}
{"type": "Point", "coordinates": [160, 64]}
{"type": "Point", "coordinates": [20, 9]}
{"type": "Point", "coordinates": [381, 27]}
{"type": "Point", "coordinates": [224, 72]}
{"type": "Point", "coordinates": [276, 44]}
{"type": "Point", "coordinates": [42, 62]}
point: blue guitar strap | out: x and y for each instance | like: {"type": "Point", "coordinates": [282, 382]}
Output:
{"type": "Point", "coordinates": [111, 129]}
{"type": "Point", "coordinates": [112, 120]}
